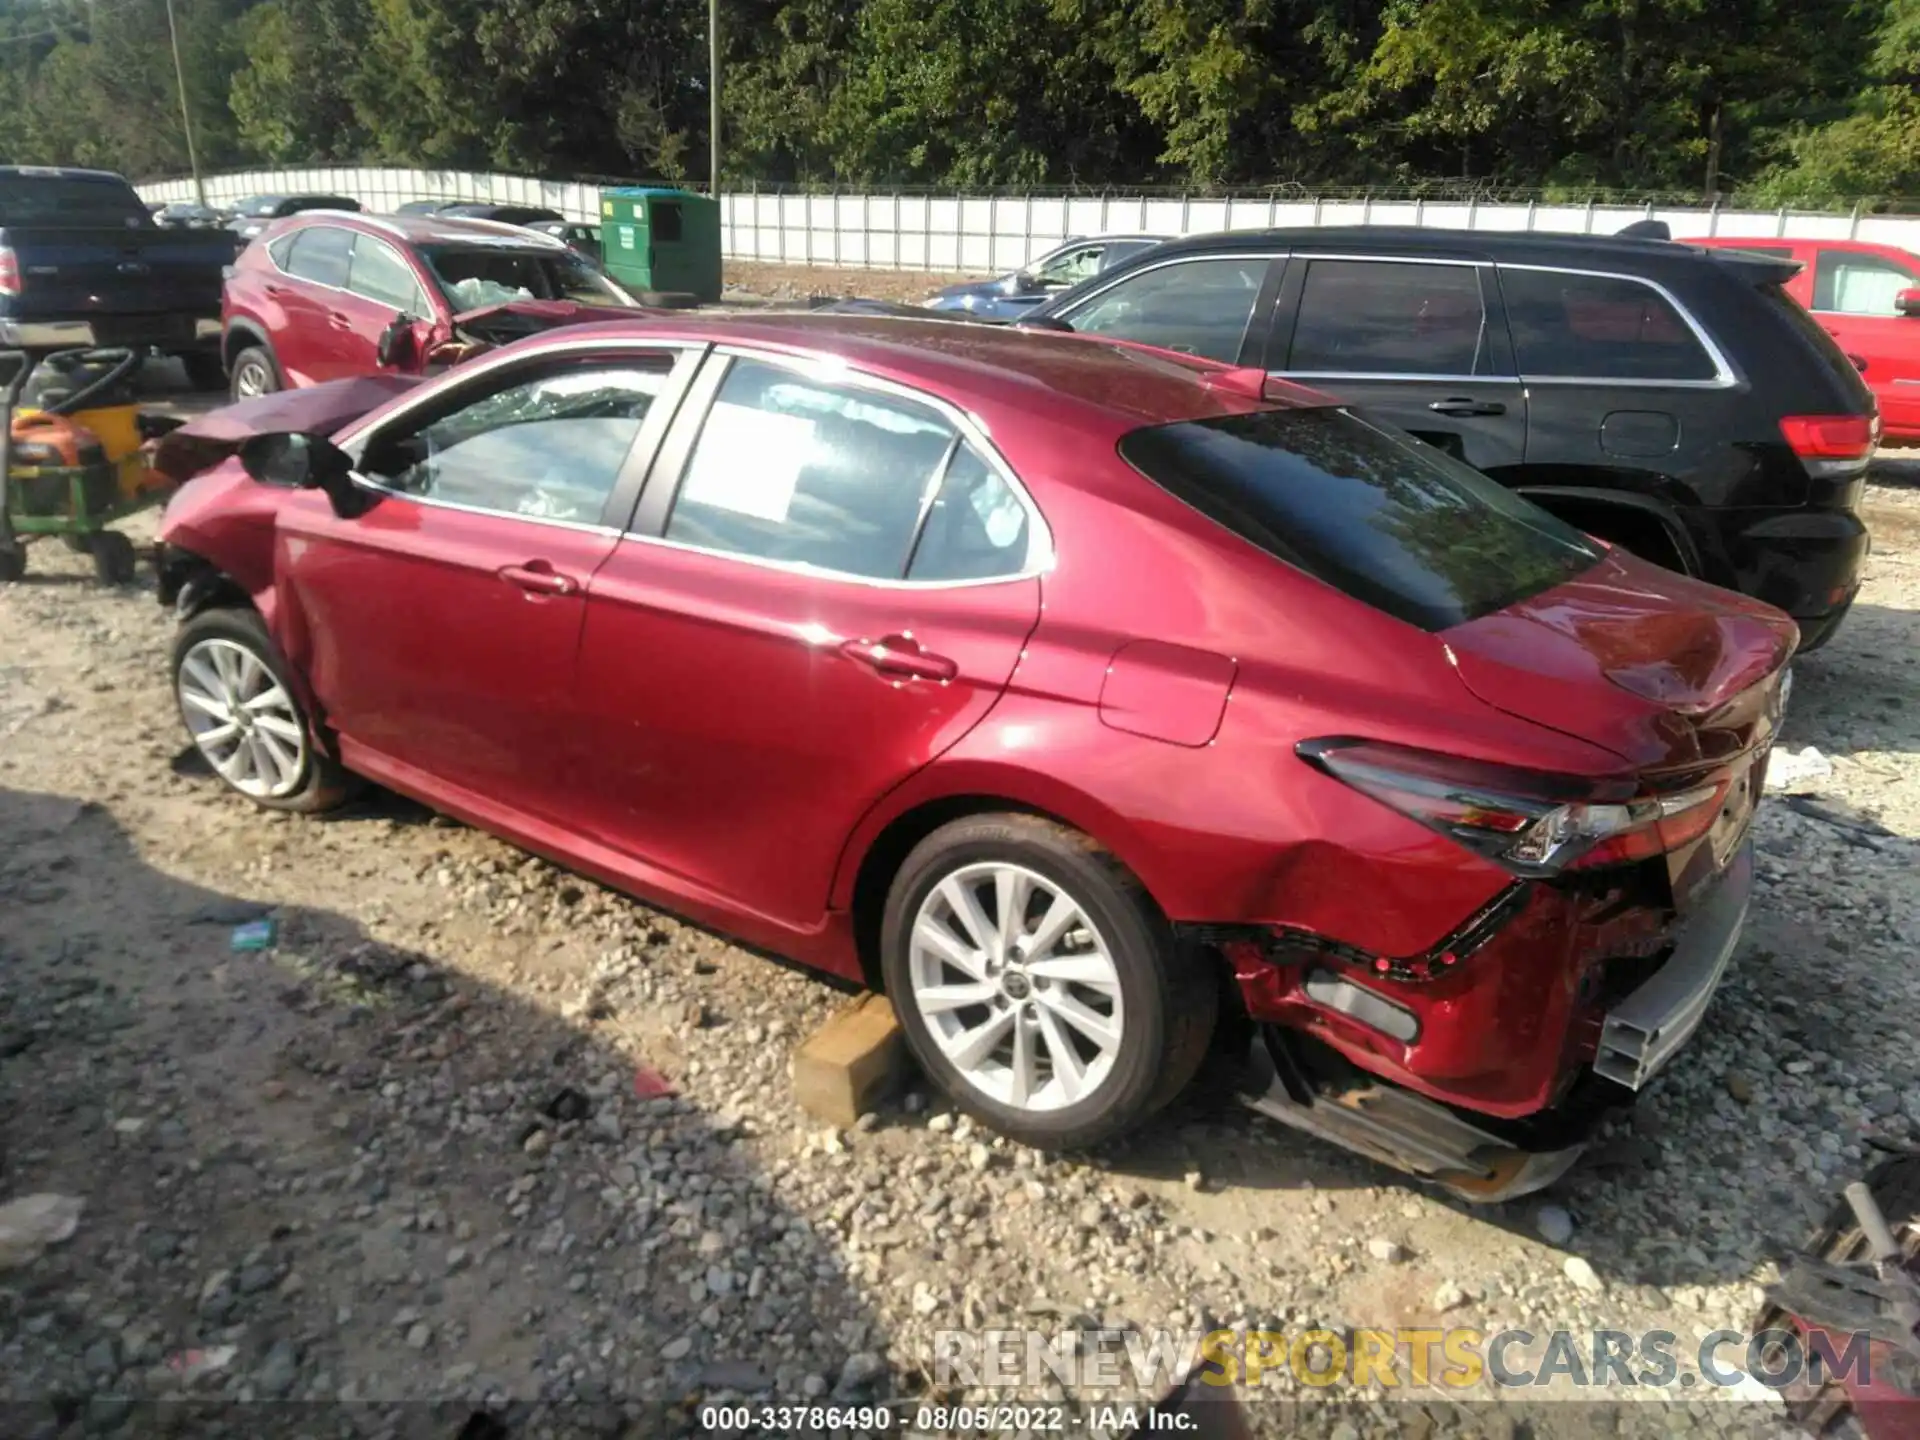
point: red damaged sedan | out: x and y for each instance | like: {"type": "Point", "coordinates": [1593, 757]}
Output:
{"type": "Point", "coordinates": [1097, 703]}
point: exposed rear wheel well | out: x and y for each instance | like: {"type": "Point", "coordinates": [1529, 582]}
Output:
{"type": "Point", "coordinates": [1639, 532]}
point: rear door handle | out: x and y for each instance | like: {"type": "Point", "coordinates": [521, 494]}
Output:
{"type": "Point", "coordinates": [537, 577]}
{"type": "Point", "coordinates": [901, 655]}
{"type": "Point", "coordinates": [1461, 407]}
{"type": "Point", "coordinates": [338, 321]}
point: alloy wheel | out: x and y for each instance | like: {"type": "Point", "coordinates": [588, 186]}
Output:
{"type": "Point", "coordinates": [251, 380]}
{"type": "Point", "coordinates": [242, 719]}
{"type": "Point", "coordinates": [1016, 986]}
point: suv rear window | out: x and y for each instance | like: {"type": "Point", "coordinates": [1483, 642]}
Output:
{"type": "Point", "coordinates": [1373, 513]}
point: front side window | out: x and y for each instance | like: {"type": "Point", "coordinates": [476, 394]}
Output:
{"type": "Point", "coordinates": [1849, 284]}
{"type": "Point", "coordinates": [1598, 327]}
{"type": "Point", "coordinates": [1372, 512]}
{"type": "Point", "coordinates": [1198, 307]}
{"type": "Point", "coordinates": [1375, 317]}
{"type": "Point", "coordinates": [475, 276]}
{"type": "Point", "coordinates": [322, 254]}
{"type": "Point", "coordinates": [831, 477]}
{"type": "Point", "coordinates": [548, 448]}
{"type": "Point", "coordinates": [380, 274]}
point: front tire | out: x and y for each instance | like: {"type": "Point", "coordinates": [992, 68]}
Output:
{"type": "Point", "coordinates": [254, 373]}
{"type": "Point", "coordinates": [245, 719]}
{"type": "Point", "coordinates": [1038, 984]}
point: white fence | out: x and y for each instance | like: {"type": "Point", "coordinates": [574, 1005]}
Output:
{"type": "Point", "coordinates": [921, 231]}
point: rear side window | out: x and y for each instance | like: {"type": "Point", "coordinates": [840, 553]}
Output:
{"type": "Point", "coordinates": [1823, 344]}
{"type": "Point", "coordinates": [1370, 317]}
{"type": "Point", "coordinates": [976, 528]}
{"type": "Point", "coordinates": [322, 254]}
{"type": "Point", "coordinates": [1373, 513]}
{"type": "Point", "coordinates": [827, 476]}
{"type": "Point", "coordinates": [1598, 327]}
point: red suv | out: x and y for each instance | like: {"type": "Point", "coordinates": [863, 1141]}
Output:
{"type": "Point", "coordinates": [1868, 298]}
{"type": "Point", "coordinates": [324, 297]}
{"type": "Point", "coordinates": [1095, 702]}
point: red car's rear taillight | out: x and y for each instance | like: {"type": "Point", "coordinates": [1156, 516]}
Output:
{"type": "Point", "coordinates": [1532, 824]}
{"type": "Point", "coordinates": [9, 271]}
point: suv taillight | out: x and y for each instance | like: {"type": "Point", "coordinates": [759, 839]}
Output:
{"type": "Point", "coordinates": [1532, 824]}
{"type": "Point", "coordinates": [1832, 447]}
{"type": "Point", "coordinates": [9, 271]}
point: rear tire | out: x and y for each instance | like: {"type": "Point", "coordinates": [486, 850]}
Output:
{"type": "Point", "coordinates": [114, 559]}
{"type": "Point", "coordinates": [254, 373]}
{"type": "Point", "coordinates": [224, 666]}
{"type": "Point", "coordinates": [1067, 1022]}
{"type": "Point", "coordinates": [205, 369]}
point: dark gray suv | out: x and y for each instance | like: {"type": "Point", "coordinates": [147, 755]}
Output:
{"type": "Point", "coordinates": [1669, 399]}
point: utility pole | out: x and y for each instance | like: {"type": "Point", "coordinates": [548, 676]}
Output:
{"type": "Point", "coordinates": [713, 92]}
{"type": "Point", "coordinates": [186, 118]}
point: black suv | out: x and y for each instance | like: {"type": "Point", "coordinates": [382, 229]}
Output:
{"type": "Point", "coordinates": [1672, 400]}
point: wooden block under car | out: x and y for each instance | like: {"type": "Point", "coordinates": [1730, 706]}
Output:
{"type": "Point", "coordinates": [849, 1064]}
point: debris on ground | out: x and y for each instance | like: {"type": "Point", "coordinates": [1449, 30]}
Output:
{"type": "Point", "coordinates": [33, 1224]}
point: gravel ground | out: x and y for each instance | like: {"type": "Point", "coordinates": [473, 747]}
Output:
{"type": "Point", "coordinates": [797, 282]}
{"type": "Point", "coordinates": [415, 1151]}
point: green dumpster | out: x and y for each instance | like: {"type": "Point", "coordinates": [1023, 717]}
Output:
{"type": "Point", "coordinates": [662, 241]}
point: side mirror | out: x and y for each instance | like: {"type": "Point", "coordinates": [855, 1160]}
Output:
{"type": "Point", "coordinates": [1907, 302]}
{"type": "Point", "coordinates": [1020, 282]}
{"type": "Point", "coordinates": [306, 462]}
{"type": "Point", "coordinates": [396, 342]}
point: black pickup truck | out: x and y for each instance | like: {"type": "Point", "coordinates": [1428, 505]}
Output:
{"type": "Point", "coordinates": [83, 263]}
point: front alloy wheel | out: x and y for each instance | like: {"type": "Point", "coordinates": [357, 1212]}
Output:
{"type": "Point", "coordinates": [246, 719]}
{"type": "Point", "coordinates": [242, 720]}
{"type": "Point", "coordinates": [1016, 987]}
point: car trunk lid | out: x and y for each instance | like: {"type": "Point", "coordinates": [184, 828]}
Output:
{"type": "Point", "coordinates": [1668, 673]}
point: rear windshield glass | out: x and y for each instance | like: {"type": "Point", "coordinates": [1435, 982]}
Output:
{"type": "Point", "coordinates": [255, 206]}
{"type": "Point", "coordinates": [1823, 344]}
{"type": "Point", "coordinates": [60, 200]}
{"type": "Point", "coordinates": [1371, 512]}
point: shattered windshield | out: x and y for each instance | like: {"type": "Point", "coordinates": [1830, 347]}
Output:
{"type": "Point", "coordinates": [472, 277]}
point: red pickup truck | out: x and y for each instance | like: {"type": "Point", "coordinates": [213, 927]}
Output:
{"type": "Point", "coordinates": [1868, 298]}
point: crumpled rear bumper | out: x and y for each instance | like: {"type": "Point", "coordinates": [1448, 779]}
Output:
{"type": "Point", "coordinates": [1644, 1031]}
